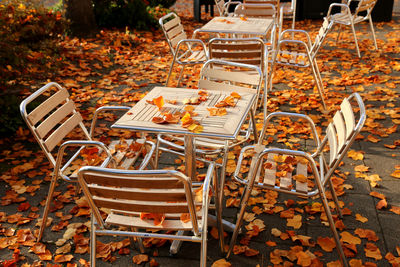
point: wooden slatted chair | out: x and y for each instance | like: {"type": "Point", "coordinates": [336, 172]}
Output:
{"type": "Point", "coordinates": [130, 195]}
{"type": "Point", "coordinates": [224, 7]}
{"type": "Point", "coordinates": [51, 123]}
{"type": "Point", "coordinates": [345, 17]}
{"type": "Point", "coordinates": [241, 50]}
{"type": "Point", "coordinates": [297, 53]}
{"type": "Point", "coordinates": [264, 173]}
{"type": "Point", "coordinates": [261, 10]}
{"type": "Point", "coordinates": [184, 51]}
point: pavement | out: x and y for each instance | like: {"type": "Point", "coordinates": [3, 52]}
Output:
{"type": "Point", "coordinates": [375, 76]}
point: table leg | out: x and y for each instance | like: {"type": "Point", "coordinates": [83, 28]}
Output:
{"type": "Point", "coordinates": [190, 157]}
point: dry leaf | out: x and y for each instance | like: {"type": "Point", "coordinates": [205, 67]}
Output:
{"type": "Point", "coordinates": [360, 218]}
{"type": "Point", "coordinates": [139, 259]}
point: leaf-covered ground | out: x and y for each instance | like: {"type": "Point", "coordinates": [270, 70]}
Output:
{"type": "Point", "coordinates": [118, 67]}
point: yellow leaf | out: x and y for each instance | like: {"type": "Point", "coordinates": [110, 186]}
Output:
{"type": "Point", "coordinates": [396, 174]}
{"type": "Point", "coordinates": [355, 155]}
{"type": "Point", "coordinates": [361, 218]}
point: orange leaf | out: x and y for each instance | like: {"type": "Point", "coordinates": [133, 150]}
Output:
{"type": "Point", "coordinates": [377, 195]}
{"type": "Point", "coordinates": [251, 252]}
{"type": "Point", "coordinates": [159, 101]}
{"type": "Point", "coordinates": [159, 120]}
{"type": "Point", "coordinates": [63, 258]}
{"type": "Point", "coordinates": [235, 95]}
{"type": "Point", "coordinates": [366, 233]}
{"type": "Point", "coordinates": [303, 259]}
{"type": "Point", "coordinates": [396, 174]}
{"type": "Point", "coordinates": [355, 155]}
{"type": "Point", "coordinates": [372, 251]}
{"type": "Point", "coordinates": [395, 209]}
{"type": "Point", "coordinates": [221, 263]}
{"type": "Point", "coordinates": [326, 243]}
{"type": "Point", "coordinates": [185, 217]}
{"type": "Point", "coordinates": [381, 204]}
{"type": "Point", "coordinates": [157, 217]}
{"type": "Point", "coordinates": [361, 218]}
{"type": "Point", "coordinates": [139, 259]}
{"type": "Point", "coordinates": [186, 120]}
{"type": "Point", "coordinates": [349, 238]}
{"type": "Point", "coordinates": [217, 111]}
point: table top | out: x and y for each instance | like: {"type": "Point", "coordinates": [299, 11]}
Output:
{"type": "Point", "coordinates": [256, 26]}
{"type": "Point", "coordinates": [140, 116]}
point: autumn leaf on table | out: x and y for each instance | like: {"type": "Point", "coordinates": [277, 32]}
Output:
{"type": "Point", "coordinates": [158, 101]}
{"type": "Point", "coordinates": [217, 111]}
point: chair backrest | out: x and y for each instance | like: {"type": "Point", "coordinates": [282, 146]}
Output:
{"type": "Point", "coordinates": [272, 2]}
{"type": "Point", "coordinates": [240, 50]}
{"type": "Point", "coordinates": [173, 30]}
{"type": "Point", "coordinates": [53, 119]}
{"type": "Point", "coordinates": [365, 5]}
{"type": "Point", "coordinates": [342, 131]}
{"type": "Point", "coordinates": [256, 10]}
{"type": "Point", "coordinates": [135, 192]}
{"type": "Point", "coordinates": [220, 4]}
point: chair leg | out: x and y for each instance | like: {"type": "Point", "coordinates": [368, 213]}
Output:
{"type": "Point", "coordinates": [373, 32]}
{"type": "Point", "coordinates": [333, 229]}
{"type": "Point", "coordinates": [335, 199]}
{"type": "Point", "coordinates": [203, 250]}
{"type": "Point", "coordinates": [355, 39]}
{"type": "Point", "coordinates": [92, 241]}
{"type": "Point", "coordinates": [319, 84]}
{"type": "Point", "coordinates": [218, 210]}
{"type": "Point", "coordinates": [339, 32]}
{"type": "Point", "coordinates": [156, 153]}
{"type": "Point", "coordinates": [180, 75]}
{"type": "Point", "coordinates": [170, 71]}
{"type": "Point", "coordinates": [243, 204]}
{"type": "Point", "coordinates": [47, 207]}
{"type": "Point", "coordinates": [139, 240]}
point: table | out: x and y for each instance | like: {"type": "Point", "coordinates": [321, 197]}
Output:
{"type": "Point", "coordinates": [236, 25]}
{"type": "Point", "coordinates": [226, 127]}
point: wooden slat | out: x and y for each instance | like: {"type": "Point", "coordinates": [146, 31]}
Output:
{"type": "Point", "coordinates": [156, 182]}
{"type": "Point", "coordinates": [141, 206]}
{"type": "Point", "coordinates": [236, 54]}
{"type": "Point", "coordinates": [301, 170]}
{"type": "Point", "coordinates": [340, 130]}
{"type": "Point", "coordinates": [175, 31]}
{"type": "Point", "coordinates": [222, 75]}
{"type": "Point", "coordinates": [44, 108]}
{"type": "Point", "coordinates": [56, 117]}
{"type": "Point", "coordinates": [210, 85]}
{"type": "Point", "coordinates": [270, 174]}
{"type": "Point", "coordinates": [348, 115]}
{"type": "Point", "coordinates": [130, 161]}
{"type": "Point", "coordinates": [286, 181]}
{"type": "Point", "coordinates": [168, 224]}
{"type": "Point", "coordinates": [234, 46]}
{"type": "Point", "coordinates": [172, 23]}
{"type": "Point", "coordinates": [119, 155]}
{"type": "Point", "coordinates": [175, 40]}
{"type": "Point", "coordinates": [173, 195]}
{"type": "Point", "coordinates": [331, 133]}
{"type": "Point", "coordinates": [62, 131]}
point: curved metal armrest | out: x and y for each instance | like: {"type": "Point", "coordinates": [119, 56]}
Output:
{"type": "Point", "coordinates": [345, 6]}
{"type": "Point", "coordinates": [149, 153]}
{"type": "Point", "coordinates": [101, 109]}
{"type": "Point", "coordinates": [190, 41]}
{"type": "Point", "coordinates": [292, 31]}
{"type": "Point", "coordinates": [206, 189]}
{"type": "Point", "coordinates": [295, 115]}
{"type": "Point", "coordinates": [240, 159]}
{"type": "Point", "coordinates": [74, 143]}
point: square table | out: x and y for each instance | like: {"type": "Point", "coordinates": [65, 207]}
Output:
{"type": "Point", "coordinates": [227, 127]}
{"type": "Point", "coordinates": [237, 25]}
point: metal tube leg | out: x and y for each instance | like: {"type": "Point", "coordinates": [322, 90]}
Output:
{"type": "Point", "coordinates": [170, 71]}
{"type": "Point", "coordinates": [335, 199]}
{"type": "Point", "coordinates": [373, 31]}
{"type": "Point", "coordinates": [139, 240]}
{"type": "Point", "coordinates": [203, 250]}
{"type": "Point", "coordinates": [319, 75]}
{"type": "Point", "coordinates": [355, 39]}
{"type": "Point", "coordinates": [318, 84]}
{"type": "Point", "coordinates": [180, 75]}
{"type": "Point", "coordinates": [239, 220]}
{"type": "Point", "coordinates": [221, 190]}
{"type": "Point", "coordinates": [339, 32]}
{"type": "Point", "coordinates": [92, 241]}
{"type": "Point", "coordinates": [333, 229]}
{"type": "Point", "coordinates": [156, 153]}
{"type": "Point", "coordinates": [253, 121]}
{"type": "Point", "coordinates": [218, 210]}
{"type": "Point", "coordinates": [47, 207]}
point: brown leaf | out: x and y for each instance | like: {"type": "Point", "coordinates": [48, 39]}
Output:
{"type": "Point", "coordinates": [349, 238]}
{"type": "Point", "coordinates": [63, 258]}
{"type": "Point", "coordinates": [221, 263]}
{"type": "Point", "coordinates": [381, 204]}
{"type": "Point", "coordinates": [326, 243]}
{"type": "Point", "coordinates": [361, 218]}
{"type": "Point", "coordinates": [138, 259]}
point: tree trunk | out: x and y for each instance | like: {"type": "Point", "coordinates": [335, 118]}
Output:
{"type": "Point", "coordinates": [81, 17]}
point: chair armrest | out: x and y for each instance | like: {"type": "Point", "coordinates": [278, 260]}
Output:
{"type": "Point", "coordinates": [74, 143]}
{"type": "Point", "coordinates": [293, 31]}
{"type": "Point", "coordinates": [294, 115]}
{"type": "Point", "coordinates": [148, 156]}
{"type": "Point", "coordinates": [188, 42]}
{"type": "Point", "coordinates": [102, 109]}
{"type": "Point", "coordinates": [345, 6]}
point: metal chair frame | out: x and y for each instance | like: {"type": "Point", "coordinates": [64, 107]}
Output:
{"type": "Point", "coordinates": [345, 17]}
{"type": "Point", "coordinates": [223, 7]}
{"type": "Point", "coordinates": [46, 117]}
{"type": "Point", "coordinates": [341, 133]}
{"type": "Point", "coordinates": [178, 41]}
{"type": "Point", "coordinates": [303, 56]}
{"type": "Point", "coordinates": [167, 192]}
{"type": "Point", "coordinates": [262, 10]}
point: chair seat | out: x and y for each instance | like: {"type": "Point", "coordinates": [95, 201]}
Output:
{"type": "Point", "coordinates": [194, 57]}
{"type": "Point", "coordinates": [343, 18]}
{"type": "Point", "coordinates": [170, 222]}
{"type": "Point", "coordinates": [293, 58]}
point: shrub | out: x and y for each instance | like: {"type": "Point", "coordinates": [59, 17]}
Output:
{"type": "Point", "coordinates": [163, 3]}
{"type": "Point", "coordinates": [157, 12]}
{"type": "Point", "coordinates": [122, 13]}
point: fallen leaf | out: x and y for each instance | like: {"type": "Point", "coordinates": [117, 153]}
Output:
{"type": "Point", "coordinates": [139, 259]}
{"type": "Point", "coordinates": [360, 218]}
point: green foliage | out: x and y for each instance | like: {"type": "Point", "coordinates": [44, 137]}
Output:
{"type": "Point", "coordinates": [157, 12]}
{"type": "Point", "coordinates": [121, 13]}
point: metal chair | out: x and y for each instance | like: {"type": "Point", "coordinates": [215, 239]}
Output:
{"type": "Point", "coordinates": [345, 17]}
{"type": "Point", "coordinates": [297, 53]}
{"type": "Point", "coordinates": [262, 10]}
{"type": "Point", "coordinates": [241, 50]}
{"type": "Point", "coordinates": [55, 119]}
{"type": "Point", "coordinates": [266, 162]}
{"type": "Point", "coordinates": [288, 10]}
{"type": "Point", "coordinates": [223, 7]}
{"type": "Point", "coordinates": [184, 51]}
{"type": "Point", "coordinates": [131, 196]}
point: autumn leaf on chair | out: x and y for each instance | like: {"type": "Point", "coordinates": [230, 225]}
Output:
{"type": "Point", "coordinates": [157, 217]}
